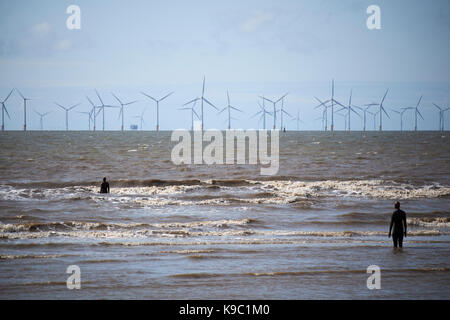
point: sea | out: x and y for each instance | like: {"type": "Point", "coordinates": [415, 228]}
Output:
{"type": "Point", "coordinates": [314, 230]}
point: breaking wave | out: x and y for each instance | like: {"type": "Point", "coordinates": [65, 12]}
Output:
{"type": "Point", "coordinates": [219, 192]}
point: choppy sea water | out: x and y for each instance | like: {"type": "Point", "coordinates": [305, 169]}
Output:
{"type": "Point", "coordinates": [223, 231]}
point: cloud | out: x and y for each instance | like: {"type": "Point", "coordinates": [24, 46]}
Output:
{"type": "Point", "coordinates": [63, 45]}
{"type": "Point", "coordinates": [41, 29]}
{"type": "Point", "coordinates": [252, 23]}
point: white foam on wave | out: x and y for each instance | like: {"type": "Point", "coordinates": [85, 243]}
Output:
{"type": "Point", "coordinates": [430, 222]}
{"type": "Point", "coordinates": [274, 192]}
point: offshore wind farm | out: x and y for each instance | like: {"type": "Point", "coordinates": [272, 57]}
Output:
{"type": "Point", "coordinates": [276, 109]}
{"type": "Point", "coordinates": [355, 114]}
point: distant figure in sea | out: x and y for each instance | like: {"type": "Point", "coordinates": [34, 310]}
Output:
{"type": "Point", "coordinates": [398, 221]}
{"type": "Point", "coordinates": [105, 186]}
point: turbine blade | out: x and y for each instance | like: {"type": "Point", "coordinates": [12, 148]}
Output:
{"type": "Point", "coordinates": [125, 104]}
{"type": "Point", "coordinates": [60, 106]}
{"type": "Point", "coordinates": [76, 105]}
{"type": "Point", "coordinates": [194, 100]}
{"type": "Point", "coordinates": [116, 98]}
{"type": "Point", "coordinates": [264, 98]}
{"type": "Point", "coordinates": [8, 96]}
{"type": "Point", "coordinates": [222, 110]}
{"type": "Point", "coordinates": [382, 108]}
{"type": "Point", "coordinates": [234, 108]}
{"type": "Point", "coordinates": [420, 99]}
{"type": "Point", "coordinates": [437, 106]}
{"type": "Point", "coordinates": [287, 113]}
{"type": "Point", "coordinates": [384, 97]}
{"type": "Point", "coordinates": [198, 117]}
{"type": "Point", "coordinates": [420, 114]}
{"type": "Point", "coordinates": [337, 102]}
{"type": "Point", "coordinates": [20, 94]}
{"type": "Point", "coordinates": [206, 100]}
{"type": "Point", "coordinates": [90, 101]}
{"type": "Point", "coordinates": [6, 110]}
{"type": "Point", "coordinates": [282, 97]}
{"type": "Point", "coordinates": [99, 97]}
{"type": "Point", "coordinates": [148, 96]}
{"type": "Point", "coordinates": [166, 96]}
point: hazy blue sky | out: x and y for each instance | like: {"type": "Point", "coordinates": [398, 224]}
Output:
{"type": "Point", "coordinates": [247, 47]}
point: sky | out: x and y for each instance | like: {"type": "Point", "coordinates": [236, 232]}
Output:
{"type": "Point", "coordinates": [249, 48]}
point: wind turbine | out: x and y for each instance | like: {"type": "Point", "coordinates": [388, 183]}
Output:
{"type": "Point", "coordinates": [333, 102]}
{"type": "Point", "coordinates": [283, 111]}
{"type": "Point", "coordinates": [89, 114]}
{"type": "Point", "coordinates": [157, 106]}
{"type": "Point", "coordinates": [345, 119]}
{"type": "Point", "coordinates": [141, 117]}
{"type": "Point", "coordinates": [67, 112]}
{"type": "Point", "coordinates": [297, 118]}
{"type": "Point", "coordinates": [102, 108]}
{"type": "Point", "coordinates": [274, 109]}
{"type": "Point", "coordinates": [42, 115]}
{"type": "Point", "coordinates": [24, 110]}
{"type": "Point", "coordinates": [93, 111]}
{"type": "Point", "coordinates": [121, 108]}
{"type": "Point", "coordinates": [365, 110]}
{"type": "Point", "coordinates": [349, 110]}
{"type": "Point", "coordinates": [202, 99]}
{"type": "Point", "coordinates": [324, 113]}
{"type": "Point", "coordinates": [192, 108]}
{"type": "Point", "coordinates": [416, 112]}
{"type": "Point", "coordinates": [441, 116]}
{"type": "Point", "coordinates": [375, 119]}
{"type": "Point", "coordinates": [401, 116]}
{"type": "Point", "coordinates": [5, 110]}
{"type": "Point", "coordinates": [229, 107]}
{"type": "Point", "coordinates": [382, 110]}
{"type": "Point", "coordinates": [263, 113]}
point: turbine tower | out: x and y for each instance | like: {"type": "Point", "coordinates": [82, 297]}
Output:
{"type": "Point", "coordinates": [229, 107]}
{"type": "Point", "coordinates": [382, 110]}
{"type": "Point", "coordinates": [416, 112]}
{"type": "Point", "coordinates": [24, 110]}
{"type": "Point", "coordinates": [263, 113]}
{"type": "Point", "coordinates": [274, 109]}
{"type": "Point", "coordinates": [102, 108]}
{"type": "Point", "coordinates": [333, 102]}
{"type": "Point", "coordinates": [89, 114]}
{"type": "Point", "coordinates": [401, 116]}
{"type": "Point", "coordinates": [121, 113]}
{"type": "Point", "coordinates": [202, 99]}
{"type": "Point", "coordinates": [42, 115]}
{"type": "Point", "coordinates": [5, 110]}
{"type": "Point", "coordinates": [93, 111]}
{"type": "Point", "coordinates": [324, 113]}
{"type": "Point", "coordinates": [141, 118]}
{"type": "Point", "coordinates": [192, 108]}
{"type": "Point", "coordinates": [297, 118]}
{"type": "Point", "coordinates": [365, 110]}
{"type": "Point", "coordinates": [157, 106]}
{"type": "Point", "coordinates": [67, 112]}
{"type": "Point", "coordinates": [441, 116]}
{"type": "Point", "coordinates": [283, 111]}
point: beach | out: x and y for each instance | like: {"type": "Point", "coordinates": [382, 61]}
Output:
{"type": "Point", "coordinates": [196, 231]}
